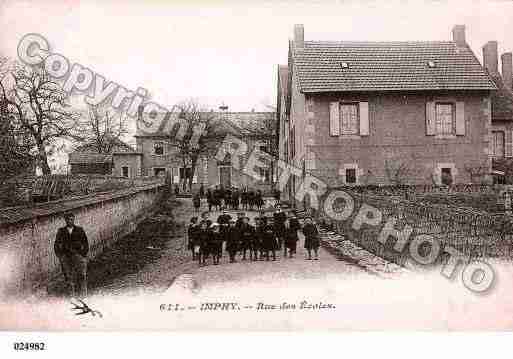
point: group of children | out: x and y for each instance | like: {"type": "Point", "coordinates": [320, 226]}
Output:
{"type": "Point", "coordinates": [232, 198]}
{"type": "Point", "coordinates": [260, 241]}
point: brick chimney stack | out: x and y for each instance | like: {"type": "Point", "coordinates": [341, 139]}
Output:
{"type": "Point", "coordinates": [458, 35]}
{"type": "Point", "coordinates": [507, 69]}
{"type": "Point", "coordinates": [491, 57]}
{"type": "Point", "coordinates": [299, 36]}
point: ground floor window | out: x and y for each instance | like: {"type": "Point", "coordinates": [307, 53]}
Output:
{"type": "Point", "coordinates": [125, 171]}
{"type": "Point", "coordinates": [265, 174]}
{"type": "Point", "coordinates": [498, 144]}
{"type": "Point", "coordinates": [159, 171]}
{"type": "Point", "coordinates": [351, 175]}
{"type": "Point", "coordinates": [446, 176]}
{"type": "Point", "coordinates": [185, 173]}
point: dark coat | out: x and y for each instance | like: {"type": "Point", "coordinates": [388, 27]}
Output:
{"type": "Point", "coordinates": [294, 223]}
{"type": "Point", "coordinates": [232, 240]}
{"type": "Point", "coordinates": [279, 223]}
{"type": "Point", "coordinates": [67, 244]}
{"type": "Point", "coordinates": [192, 235]}
{"type": "Point", "coordinates": [268, 238]}
{"type": "Point", "coordinates": [246, 236]}
{"type": "Point", "coordinates": [291, 237]}
{"type": "Point", "coordinates": [203, 238]}
{"type": "Point", "coordinates": [196, 200]}
{"type": "Point", "coordinates": [311, 236]}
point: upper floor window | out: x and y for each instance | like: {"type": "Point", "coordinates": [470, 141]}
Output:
{"type": "Point", "coordinates": [125, 171]}
{"type": "Point", "coordinates": [158, 148]}
{"type": "Point", "coordinates": [445, 123]}
{"type": "Point", "coordinates": [349, 119]}
{"type": "Point", "coordinates": [498, 144]}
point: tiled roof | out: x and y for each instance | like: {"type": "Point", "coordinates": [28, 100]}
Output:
{"type": "Point", "coordinates": [502, 101]}
{"type": "Point", "coordinates": [89, 157]}
{"type": "Point", "coordinates": [238, 123]}
{"type": "Point", "coordinates": [384, 66]}
{"type": "Point", "coordinates": [118, 146]}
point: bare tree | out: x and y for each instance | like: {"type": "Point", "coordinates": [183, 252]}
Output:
{"type": "Point", "coordinates": [102, 129]}
{"type": "Point", "coordinates": [15, 145]}
{"type": "Point", "coordinates": [43, 111]}
{"type": "Point", "coordinates": [197, 139]}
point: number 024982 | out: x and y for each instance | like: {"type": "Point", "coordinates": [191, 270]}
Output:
{"type": "Point", "coordinates": [29, 346]}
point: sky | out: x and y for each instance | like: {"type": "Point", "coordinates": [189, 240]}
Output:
{"type": "Point", "coordinates": [226, 52]}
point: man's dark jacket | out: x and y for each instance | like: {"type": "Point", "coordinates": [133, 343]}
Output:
{"type": "Point", "coordinates": [74, 243]}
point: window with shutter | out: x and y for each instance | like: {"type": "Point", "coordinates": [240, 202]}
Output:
{"type": "Point", "coordinates": [364, 118]}
{"type": "Point", "coordinates": [430, 118]}
{"type": "Point", "coordinates": [334, 119]}
{"type": "Point", "coordinates": [349, 119]}
{"type": "Point", "coordinates": [444, 119]}
{"type": "Point", "coordinates": [460, 118]}
{"type": "Point", "coordinates": [498, 144]}
{"type": "Point", "coordinates": [509, 144]}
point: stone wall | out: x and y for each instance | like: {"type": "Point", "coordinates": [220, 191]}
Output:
{"type": "Point", "coordinates": [27, 235]}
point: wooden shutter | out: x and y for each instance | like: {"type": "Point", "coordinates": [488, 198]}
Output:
{"type": "Point", "coordinates": [508, 145]}
{"type": "Point", "coordinates": [430, 118]}
{"type": "Point", "coordinates": [334, 119]}
{"type": "Point", "coordinates": [460, 118]}
{"type": "Point", "coordinates": [364, 118]}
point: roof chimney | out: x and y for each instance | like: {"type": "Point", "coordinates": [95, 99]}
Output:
{"type": "Point", "coordinates": [299, 36]}
{"type": "Point", "coordinates": [507, 69]}
{"type": "Point", "coordinates": [490, 57]}
{"type": "Point", "coordinates": [458, 35]}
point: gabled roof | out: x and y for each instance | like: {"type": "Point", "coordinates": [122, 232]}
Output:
{"type": "Point", "coordinates": [237, 123]}
{"type": "Point", "coordinates": [119, 146]}
{"type": "Point", "coordinates": [502, 101]}
{"type": "Point", "coordinates": [89, 158]}
{"type": "Point", "coordinates": [388, 66]}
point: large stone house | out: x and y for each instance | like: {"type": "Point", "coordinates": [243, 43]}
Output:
{"type": "Point", "coordinates": [354, 113]}
{"type": "Point", "coordinates": [160, 157]}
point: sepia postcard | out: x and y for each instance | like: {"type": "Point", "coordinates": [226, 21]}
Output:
{"type": "Point", "coordinates": [255, 166]}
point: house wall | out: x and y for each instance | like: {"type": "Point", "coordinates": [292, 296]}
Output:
{"type": "Point", "coordinates": [26, 246]}
{"type": "Point", "coordinates": [91, 168]}
{"type": "Point", "coordinates": [397, 134]}
{"type": "Point", "coordinates": [132, 161]}
{"type": "Point", "coordinates": [208, 177]}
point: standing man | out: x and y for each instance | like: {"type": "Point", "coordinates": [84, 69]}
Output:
{"type": "Point", "coordinates": [279, 228]}
{"type": "Point", "coordinates": [71, 247]}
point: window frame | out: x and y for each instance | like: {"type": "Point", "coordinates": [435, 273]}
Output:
{"type": "Point", "coordinates": [127, 171]}
{"type": "Point", "coordinates": [441, 126]}
{"type": "Point", "coordinates": [494, 147]}
{"type": "Point", "coordinates": [162, 143]}
{"type": "Point", "coordinates": [356, 105]}
{"type": "Point", "coordinates": [355, 175]}
{"type": "Point", "coordinates": [159, 168]}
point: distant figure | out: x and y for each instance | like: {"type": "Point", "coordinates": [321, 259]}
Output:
{"type": "Point", "coordinates": [202, 191]}
{"type": "Point", "coordinates": [192, 241]}
{"type": "Point", "coordinates": [311, 238]}
{"type": "Point", "coordinates": [177, 190]}
{"type": "Point", "coordinates": [196, 201]}
{"type": "Point", "coordinates": [210, 199]}
{"type": "Point", "coordinates": [290, 238]}
{"type": "Point", "coordinates": [71, 247]}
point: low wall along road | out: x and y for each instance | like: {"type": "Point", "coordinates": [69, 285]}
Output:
{"type": "Point", "coordinates": [27, 234]}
